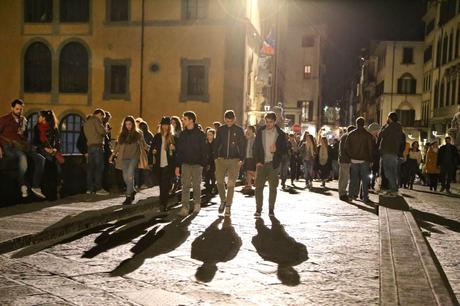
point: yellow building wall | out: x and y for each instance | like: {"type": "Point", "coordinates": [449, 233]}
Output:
{"type": "Point", "coordinates": [167, 39]}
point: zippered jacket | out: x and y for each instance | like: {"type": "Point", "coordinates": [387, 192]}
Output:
{"type": "Point", "coordinates": [191, 148]}
{"type": "Point", "coordinates": [230, 143]}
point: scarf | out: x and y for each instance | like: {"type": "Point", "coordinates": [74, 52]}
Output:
{"type": "Point", "coordinates": [43, 129]}
{"type": "Point", "coordinates": [323, 155]}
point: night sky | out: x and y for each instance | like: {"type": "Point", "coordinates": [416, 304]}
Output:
{"type": "Point", "coordinates": [352, 24]}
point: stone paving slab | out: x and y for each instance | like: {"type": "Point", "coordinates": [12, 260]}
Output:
{"type": "Point", "coordinates": [408, 273]}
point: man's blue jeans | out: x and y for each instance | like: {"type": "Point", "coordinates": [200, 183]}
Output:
{"type": "Point", "coordinates": [360, 173]}
{"type": "Point", "coordinates": [390, 166]}
{"type": "Point", "coordinates": [22, 161]}
{"type": "Point", "coordinates": [95, 168]}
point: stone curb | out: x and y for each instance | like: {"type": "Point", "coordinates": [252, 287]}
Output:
{"type": "Point", "coordinates": [409, 271]}
{"type": "Point", "coordinates": [81, 222]}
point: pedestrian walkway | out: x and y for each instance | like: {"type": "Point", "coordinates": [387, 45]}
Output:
{"type": "Point", "coordinates": [317, 251]}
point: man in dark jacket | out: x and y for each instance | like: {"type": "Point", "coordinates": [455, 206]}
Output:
{"type": "Point", "coordinates": [191, 158]}
{"type": "Point", "coordinates": [344, 165]}
{"type": "Point", "coordinates": [229, 148]}
{"type": "Point", "coordinates": [359, 145]}
{"type": "Point", "coordinates": [269, 148]}
{"type": "Point", "coordinates": [389, 146]}
{"type": "Point", "coordinates": [448, 159]}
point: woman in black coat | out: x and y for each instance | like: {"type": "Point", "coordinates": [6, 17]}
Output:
{"type": "Point", "coordinates": [163, 153]}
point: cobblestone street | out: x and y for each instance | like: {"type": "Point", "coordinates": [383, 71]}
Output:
{"type": "Point", "coordinates": [317, 251]}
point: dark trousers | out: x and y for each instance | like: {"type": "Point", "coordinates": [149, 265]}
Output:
{"type": "Point", "coordinates": [210, 179]}
{"type": "Point", "coordinates": [294, 167]}
{"type": "Point", "coordinates": [446, 177]}
{"type": "Point", "coordinates": [165, 180]}
{"type": "Point", "coordinates": [433, 177]}
{"type": "Point", "coordinates": [95, 168]}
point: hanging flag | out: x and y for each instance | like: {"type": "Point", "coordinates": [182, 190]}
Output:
{"type": "Point", "coordinates": [268, 46]}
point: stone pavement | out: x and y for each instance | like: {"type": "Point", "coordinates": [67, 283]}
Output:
{"type": "Point", "coordinates": [317, 251]}
{"type": "Point", "coordinates": [45, 220]}
{"type": "Point", "coordinates": [438, 215]}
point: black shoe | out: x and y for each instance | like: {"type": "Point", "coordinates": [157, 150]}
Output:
{"type": "Point", "coordinates": [221, 208]}
{"type": "Point", "coordinates": [344, 198]}
{"type": "Point", "coordinates": [128, 201]}
{"type": "Point", "coordinates": [442, 189]}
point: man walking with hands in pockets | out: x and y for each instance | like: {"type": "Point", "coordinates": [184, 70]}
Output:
{"type": "Point", "coordinates": [229, 148]}
{"type": "Point", "coordinates": [270, 146]}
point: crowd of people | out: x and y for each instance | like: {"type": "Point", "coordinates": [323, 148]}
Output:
{"type": "Point", "coordinates": [181, 154]}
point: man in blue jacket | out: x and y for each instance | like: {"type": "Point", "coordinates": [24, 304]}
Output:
{"type": "Point", "coordinates": [191, 157]}
{"type": "Point", "coordinates": [269, 148]}
{"type": "Point", "coordinates": [229, 148]}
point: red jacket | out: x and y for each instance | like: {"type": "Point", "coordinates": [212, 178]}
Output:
{"type": "Point", "coordinates": [9, 129]}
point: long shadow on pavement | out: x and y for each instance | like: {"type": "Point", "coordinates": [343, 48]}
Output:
{"type": "Point", "coordinates": [424, 217]}
{"type": "Point", "coordinates": [213, 246]}
{"type": "Point", "coordinates": [159, 240]}
{"type": "Point", "coordinates": [274, 244]}
{"type": "Point", "coordinates": [69, 238]}
{"type": "Point", "coordinates": [114, 236]}
{"type": "Point", "coordinates": [452, 195]}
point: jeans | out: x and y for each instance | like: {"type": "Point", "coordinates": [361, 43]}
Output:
{"type": "Point", "coordinates": [232, 167]}
{"type": "Point", "coordinates": [308, 169]}
{"type": "Point", "coordinates": [191, 175]}
{"type": "Point", "coordinates": [360, 173]}
{"type": "Point", "coordinates": [22, 161]}
{"type": "Point", "coordinates": [266, 173]}
{"type": "Point", "coordinates": [344, 178]}
{"type": "Point", "coordinates": [446, 176]}
{"type": "Point", "coordinates": [129, 167]}
{"type": "Point", "coordinates": [390, 166]}
{"type": "Point", "coordinates": [95, 168]}
{"type": "Point", "coordinates": [39, 168]}
{"type": "Point", "coordinates": [284, 168]}
{"type": "Point", "coordinates": [335, 169]}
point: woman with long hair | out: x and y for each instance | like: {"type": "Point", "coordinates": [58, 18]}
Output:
{"type": "Point", "coordinates": [176, 125]}
{"type": "Point", "coordinates": [414, 158]}
{"type": "Point", "coordinates": [163, 152]}
{"type": "Point", "coordinates": [323, 160]}
{"type": "Point", "coordinates": [47, 141]}
{"type": "Point", "coordinates": [143, 177]}
{"type": "Point", "coordinates": [307, 151]}
{"type": "Point", "coordinates": [130, 153]}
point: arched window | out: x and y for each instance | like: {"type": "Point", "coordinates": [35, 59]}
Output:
{"type": "Point", "coordinates": [73, 68]}
{"type": "Point", "coordinates": [407, 84]}
{"type": "Point", "coordinates": [37, 68]}
{"type": "Point", "coordinates": [32, 120]}
{"type": "Point", "coordinates": [69, 128]}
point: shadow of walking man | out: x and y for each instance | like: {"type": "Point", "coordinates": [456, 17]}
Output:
{"type": "Point", "coordinates": [275, 245]}
{"type": "Point", "coordinates": [159, 240]}
{"type": "Point", "coordinates": [213, 246]}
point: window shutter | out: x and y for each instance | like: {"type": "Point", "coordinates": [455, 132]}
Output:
{"type": "Point", "coordinates": [400, 85]}
{"type": "Point", "coordinates": [413, 86]}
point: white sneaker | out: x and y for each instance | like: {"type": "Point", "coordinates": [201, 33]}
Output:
{"type": "Point", "coordinates": [102, 192]}
{"type": "Point", "coordinates": [38, 192]}
{"type": "Point", "coordinates": [183, 212]}
{"type": "Point", "coordinates": [24, 191]}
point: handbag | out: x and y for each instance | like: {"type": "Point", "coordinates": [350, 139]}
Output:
{"type": "Point", "coordinates": [59, 157]}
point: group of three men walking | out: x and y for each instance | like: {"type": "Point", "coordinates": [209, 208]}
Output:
{"type": "Point", "coordinates": [230, 151]}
